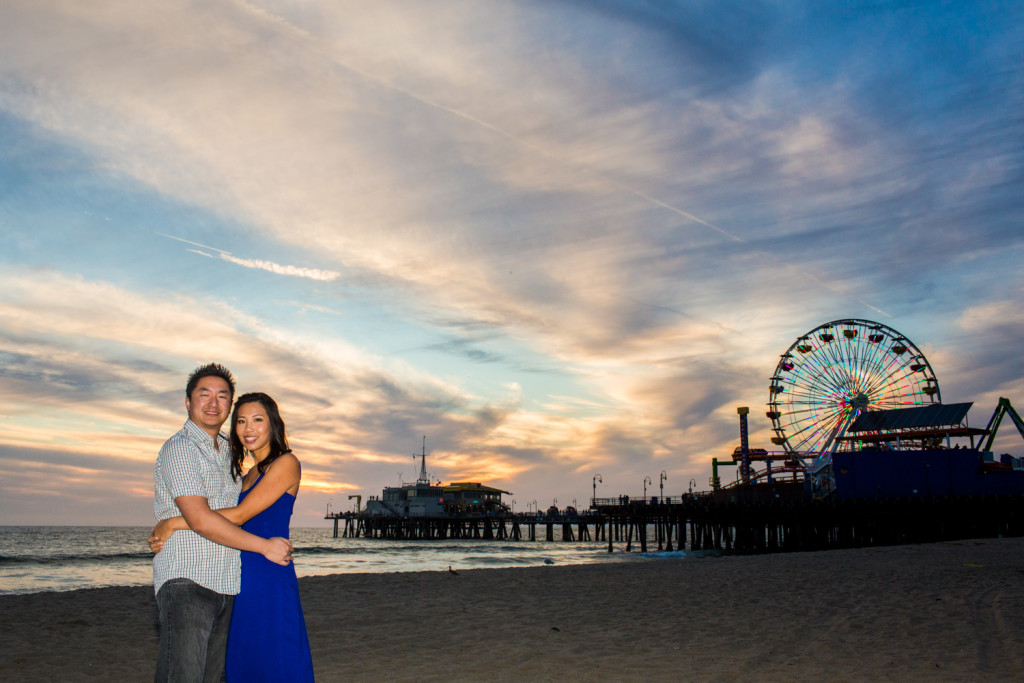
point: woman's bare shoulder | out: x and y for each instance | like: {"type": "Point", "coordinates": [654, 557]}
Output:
{"type": "Point", "coordinates": [285, 462]}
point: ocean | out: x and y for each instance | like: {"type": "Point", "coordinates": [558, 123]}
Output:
{"type": "Point", "coordinates": [36, 559]}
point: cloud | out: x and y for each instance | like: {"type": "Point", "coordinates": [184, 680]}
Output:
{"type": "Point", "coordinates": [674, 164]}
{"type": "Point", "coordinates": [117, 396]}
{"type": "Point", "coordinates": [627, 221]}
{"type": "Point", "coordinates": [294, 271]}
{"type": "Point", "coordinates": [269, 266]}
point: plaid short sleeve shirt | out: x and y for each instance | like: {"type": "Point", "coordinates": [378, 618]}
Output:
{"type": "Point", "coordinates": [189, 464]}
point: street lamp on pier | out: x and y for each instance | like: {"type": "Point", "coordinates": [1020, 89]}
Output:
{"type": "Point", "coordinates": [597, 478]}
{"type": "Point", "coordinates": [662, 482]}
{"type": "Point", "coordinates": [647, 480]}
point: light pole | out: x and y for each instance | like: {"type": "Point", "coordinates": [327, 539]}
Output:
{"type": "Point", "coordinates": [693, 482]}
{"type": "Point", "coordinates": [597, 478]}
{"type": "Point", "coordinates": [662, 482]}
{"type": "Point", "coordinates": [647, 480]}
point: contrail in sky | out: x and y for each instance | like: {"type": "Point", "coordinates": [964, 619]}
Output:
{"type": "Point", "coordinates": [194, 244]}
{"type": "Point", "coordinates": [269, 266]}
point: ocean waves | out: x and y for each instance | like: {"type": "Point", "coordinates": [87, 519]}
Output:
{"type": "Point", "coordinates": [38, 559]}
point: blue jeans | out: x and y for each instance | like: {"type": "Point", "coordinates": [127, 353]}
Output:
{"type": "Point", "coordinates": [194, 625]}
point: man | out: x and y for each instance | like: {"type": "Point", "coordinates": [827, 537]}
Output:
{"type": "Point", "coordinates": [196, 575]}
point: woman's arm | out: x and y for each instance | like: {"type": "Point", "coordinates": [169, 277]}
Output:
{"type": "Point", "coordinates": [165, 527]}
{"type": "Point", "coordinates": [283, 476]}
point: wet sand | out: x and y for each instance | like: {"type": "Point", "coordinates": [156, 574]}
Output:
{"type": "Point", "coordinates": [948, 611]}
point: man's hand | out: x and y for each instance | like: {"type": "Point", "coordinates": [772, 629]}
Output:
{"type": "Point", "coordinates": [278, 551]}
{"type": "Point", "coordinates": [156, 544]}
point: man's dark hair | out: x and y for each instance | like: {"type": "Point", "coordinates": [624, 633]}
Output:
{"type": "Point", "coordinates": [209, 370]}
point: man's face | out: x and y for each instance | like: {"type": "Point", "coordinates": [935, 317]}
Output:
{"type": "Point", "coordinates": [209, 404]}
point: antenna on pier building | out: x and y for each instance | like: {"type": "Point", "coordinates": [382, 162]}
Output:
{"type": "Point", "coordinates": [423, 479]}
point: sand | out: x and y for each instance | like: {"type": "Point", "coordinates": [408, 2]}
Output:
{"type": "Point", "coordinates": [947, 611]}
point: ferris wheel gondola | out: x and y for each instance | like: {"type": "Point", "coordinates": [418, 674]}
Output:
{"type": "Point", "coordinates": [836, 371]}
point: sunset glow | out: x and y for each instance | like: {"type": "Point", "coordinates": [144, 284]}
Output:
{"type": "Point", "coordinates": [557, 239]}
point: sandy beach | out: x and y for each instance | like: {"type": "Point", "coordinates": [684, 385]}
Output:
{"type": "Point", "coordinates": [948, 611]}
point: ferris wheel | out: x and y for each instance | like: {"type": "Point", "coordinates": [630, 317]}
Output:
{"type": "Point", "coordinates": [836, 371]}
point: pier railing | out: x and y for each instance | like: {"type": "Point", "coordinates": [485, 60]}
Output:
{"type": "Point", "coordinates": [626, 501]}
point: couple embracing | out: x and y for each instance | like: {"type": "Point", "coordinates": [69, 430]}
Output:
{"type": "Point", "coordinates": [221, 609]}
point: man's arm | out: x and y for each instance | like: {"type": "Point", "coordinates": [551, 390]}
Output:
{"type": "Point", "coordinates": [211, 526]}
{"type": "Point", "coordinates": [283, 475]}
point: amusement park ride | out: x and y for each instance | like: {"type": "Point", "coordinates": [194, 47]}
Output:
{"type": "Point", "coordinates": [856, 387]}
{"type": "Point", "coordinates": [864, 454]}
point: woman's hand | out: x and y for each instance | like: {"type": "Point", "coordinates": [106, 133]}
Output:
{"type": "Point", "coordinates": [161, 532]}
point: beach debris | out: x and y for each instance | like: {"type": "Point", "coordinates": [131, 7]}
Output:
{"type": "Point", "coordinates": [452, 571]}
{"type": "Point", "coordinates": [548, 560]}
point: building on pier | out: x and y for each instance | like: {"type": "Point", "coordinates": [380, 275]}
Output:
{"type": "Point", "coordinates": [425, 498]}
{"type": "Point", "coordinates": [473, 498]}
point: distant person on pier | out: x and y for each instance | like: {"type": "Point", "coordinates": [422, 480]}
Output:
{"type": "Point", "coordinates": [196, 576]}
{"type": "Point", "coordinates": [268, 640]}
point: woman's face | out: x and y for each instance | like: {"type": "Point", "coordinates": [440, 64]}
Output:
{"type": "Point", "coordinates": [253, 428]}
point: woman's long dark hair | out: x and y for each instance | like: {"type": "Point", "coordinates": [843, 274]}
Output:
{"type": "Point", "coordinates": [278, 440]}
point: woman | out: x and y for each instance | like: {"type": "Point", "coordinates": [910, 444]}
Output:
{"type": "Point", "coordinates": [268, 640]}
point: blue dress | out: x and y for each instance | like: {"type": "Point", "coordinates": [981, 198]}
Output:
{"type": "Point", "coordinates": [268, 640]}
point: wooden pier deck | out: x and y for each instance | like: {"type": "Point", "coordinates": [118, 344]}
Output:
{"type": "Point", "coordinates": [707, 523]}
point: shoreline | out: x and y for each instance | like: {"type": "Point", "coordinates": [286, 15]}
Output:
{"type": "Point", "coordinates": [944, 611]}
{"type": "Point", "coordinates": [40, 562]}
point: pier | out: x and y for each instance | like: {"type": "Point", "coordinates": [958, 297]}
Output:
{"type": "Point", "coordinates": [780, 525]}
{"type": "Point", "coordinates": [709, 522]}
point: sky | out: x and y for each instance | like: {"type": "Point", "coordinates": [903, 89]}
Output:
{"type": "Point", "coordinates": [557, 239]}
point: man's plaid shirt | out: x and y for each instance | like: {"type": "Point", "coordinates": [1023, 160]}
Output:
{"type": "Point", "coordinates": [190, 465]}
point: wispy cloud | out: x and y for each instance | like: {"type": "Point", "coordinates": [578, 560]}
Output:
{"type": "Point", "coordinates": [269, 266]}
{"type": "Point", "coordinates": [278, 269]}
